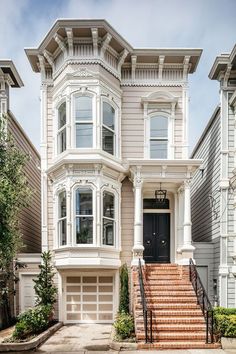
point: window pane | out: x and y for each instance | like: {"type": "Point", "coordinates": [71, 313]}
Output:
{"type": "Point", "coordinates": [84, 202]}
{"type": "Point", "coordinates": [62, 115]}
{"type": "Point", "coordinates": [84, 229]}
{"type": "Point", "coordinates": [108, 232]}
{"type": "Point", "coordinates": [108, 141]}
{"type": "Point", "coordinates": [158, 149]}
{"type": "Point", "coordinates": [108, 115]}
{"type": "Point", "coordinates": [159, 127]}
{"type": "Point", "coordinates": [83, 108]}
{"type": "Point", "coordinates": [62, 232]}
{"type": "Point", "coordinates": [84, 135]}
{"type": "Point", "coordinates": [62, 205]}
{"type": "Point", "coordinates": [62, 141]}
{"type": "Point", "coordinates": [108, 205]}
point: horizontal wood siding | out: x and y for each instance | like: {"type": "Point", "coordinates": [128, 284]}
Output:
{"type": "Point", "coordinates": [205, 210]}
{"type": "Point", "coordinates": [30, 217]}
{"type": "Point", "coordinates": [132, 121]}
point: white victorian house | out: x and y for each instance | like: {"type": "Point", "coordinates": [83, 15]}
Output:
{"type": "Point", "coordinates": [114, 158]}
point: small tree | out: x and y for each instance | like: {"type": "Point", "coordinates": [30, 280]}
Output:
{"type": "Point", "coordinates": [124, 289]}
{"type": "Point", "coordinates": [44, 287]}
{"type": "Point", "coordinates": [14, 195]}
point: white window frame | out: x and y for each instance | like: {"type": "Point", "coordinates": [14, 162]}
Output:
{"type": "Point", "coordinates": [76, 187]}
{"type": "Point", "coordinates": [107, 218]}
{"type": "Point", "coordinates": [149, 138]}
{"type": "Point", "coordinates": [116, 125]}
{"type": "Point", "coordinates": [116, 217]}
{"type": "Point", "coordinates": [93, 121]}
{"type": "Point", "coordinates": [60, 219]}
{"type": "Point", "coordinates": [59, 130]}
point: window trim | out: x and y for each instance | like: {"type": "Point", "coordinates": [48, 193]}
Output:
{"type": "Point", "coordinates": [92, 95]}
{"type": "Point", "coordinates": [115, 131]}
{"type": "Point", "coordinates": [117, 215]}
{"type": "Point", "coordinates": [114, 219]}
{"type": "Point", "coordinates": [167, 139]}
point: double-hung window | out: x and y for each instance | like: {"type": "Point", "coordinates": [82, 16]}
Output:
{"type": "Point", "coordinates": [84, 121]}
{"type": "Point", "coordinates": [108, 128]}
{"type": "Point", "coordinates": [158, 137]}
{"type": "Point", "coordinates": [61, 134]}
{"type": "Point", "coordinates": [108, 219]}
{"type": "Point", "coordinates": [84, 216]}
{"type": "Point", "coordinates": [62, 218]}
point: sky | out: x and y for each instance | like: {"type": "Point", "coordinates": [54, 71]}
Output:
{"type": "Point", "coordinates": [206, 24]}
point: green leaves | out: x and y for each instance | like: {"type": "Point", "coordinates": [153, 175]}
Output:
{"type": "Point", "coordinates": [45, 289]}
{"type": "Point", "coordinates": [124, 289]}
{"type": "Point", "coordinates": [124, 325]}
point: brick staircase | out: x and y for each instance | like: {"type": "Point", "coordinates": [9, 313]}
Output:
{"type": "Point", "coordinates": [178, 322]}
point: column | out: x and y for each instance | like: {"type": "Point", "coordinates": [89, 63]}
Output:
{"type": "Point", "coordinates": [187, 248]}
{"type": "Point", "coordinates": [138, 221]}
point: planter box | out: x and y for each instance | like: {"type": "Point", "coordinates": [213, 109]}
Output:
{"type": "Point", "coordinates": [228, 343]}
{"type": "Point", "coordinates": [31, 344]}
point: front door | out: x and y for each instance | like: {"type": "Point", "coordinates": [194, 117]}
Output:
{"type": "Point", "coordinates": [156, 237]}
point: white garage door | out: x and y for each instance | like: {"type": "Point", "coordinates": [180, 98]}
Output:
{"type": "Point", "coordinates": [27, 295]}
{"type": "Point", "coordinates": [89, 299]}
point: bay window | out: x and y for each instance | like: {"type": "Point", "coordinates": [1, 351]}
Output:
{"type": "Point", "coordinates": [108, 128]}
{"type": "Point", "coordinates": [108, 236]}
{"type": "Point", "coordinates": [158, 137]}
{"type": "Point", "coordinates": [84, 121]}
{"type": "Point", "coordinates": [62, 218]}
{"type": "Point", "coordinates": [84, 216]}
{"type": "Point", "coordinates": [61, 134]}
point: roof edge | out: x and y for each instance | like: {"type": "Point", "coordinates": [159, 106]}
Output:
{"type": "Point", "coordinates": [8, 63]}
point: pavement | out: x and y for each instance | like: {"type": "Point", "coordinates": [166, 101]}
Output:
{"type": "Point", "coordinates": [95, 338]}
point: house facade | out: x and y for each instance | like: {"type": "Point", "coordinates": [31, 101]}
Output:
{"type": "Point", "coordinates": [29, 217]}
{"type": "Point", "coordinates": [114, 160]}
{"type": "Point", "coordinates": [213, 190]}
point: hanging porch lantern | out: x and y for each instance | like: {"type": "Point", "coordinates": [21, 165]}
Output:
{"type": "Point", "coordinates": [160, 195]}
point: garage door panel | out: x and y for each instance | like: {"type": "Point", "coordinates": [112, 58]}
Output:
{"type": "Point", "coordinates": [89, 298]}
{"type": "Point", "coordinates": [27, 292]}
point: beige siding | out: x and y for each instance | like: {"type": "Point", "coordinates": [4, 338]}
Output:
{"type": "Point", "coordinates": [30, 217]}
{"type": "Point", "coordinates": [127, 221]}
{"type": "Point", "coordinates": [132, 121]}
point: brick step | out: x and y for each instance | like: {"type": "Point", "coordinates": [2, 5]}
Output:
{"type": "Point", "coordinates": [168, 283]}
{"type": "Point", "coordinates": [157, 327]}
{"type": "Point", "coordinates": [171, 299]}
{"type": "Point", "coordinates": [177, 293]}
{"type": "Point", "coordinates": [174, 336]}
{"type": "Point", "coordinates": [165, 277]}
{"type": "Point", "coordinates": [167, 306]}
{"type": "Point", "coordinates": [178, 345]}
{"type": "Point", "coordinates": [172, 313]}
{"type": "Point", "coordinates": [161, 265]}
{"type": "Point", "coordinates": [167, 288]}
{"type": "Point", "coordinates": [175, 320]}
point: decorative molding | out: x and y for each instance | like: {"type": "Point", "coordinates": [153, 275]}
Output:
{"type": "Point", "coordinates": [94, 32]}
{"type": "Point", "coordinates": [60, 42]}
{"type": "Point", "coordinates": [161, 66]}
{"type": "Point", "coordinates": [106, 40]}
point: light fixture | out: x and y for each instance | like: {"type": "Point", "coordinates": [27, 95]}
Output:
{"type": "Point", "coordinates": [160, 195]}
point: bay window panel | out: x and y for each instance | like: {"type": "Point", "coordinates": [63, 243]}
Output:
{"type": "Point", "coordinates": [108, 232]}
{"type": "Point", "coordinates": [61, 140]}
{"type": "Point", "coordinates": [62, 219]}
{"type": "Point", "coordinates": [108, 205]}
{"type": "Point", "coordinates": [84, 202]}
{"type": "Point", "coordinates": [62, 232]}
{"type": "Point", "coordinates": [84, 135]}
{"type": "Point", "coordinates": [62, 115]}
{"type": "Point", "coordinates": [108, 115]}
{"type": "Point", "coordinates": [61, 134]}
{"type": "Point", "coordinates": [83, 108]}
{"type": "Point", "coordinates": [108, 141]}
{"type": "Point", "coordinates": [158, 149]}
{"type": "Point", "coordinates": [84, 230]}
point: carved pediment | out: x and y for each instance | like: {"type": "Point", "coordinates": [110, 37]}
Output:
{"type": "Point", "coordinates": [83, 72]}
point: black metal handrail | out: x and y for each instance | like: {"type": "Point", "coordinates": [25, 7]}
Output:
{"type": "Point", "coordinates": [202, 299]}
{"type": "Point", "coordinates": [147, 314]}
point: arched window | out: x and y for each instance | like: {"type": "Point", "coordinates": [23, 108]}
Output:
{"type": "Point", "coordinates": [84, 121]}
{"type": "Point", "coordinates": [158, 137]}
{"type": "Point", "coordinates": [84, 216]}
{"type": "Point", "coordinates": [108, 128]}
{"type": "Point", "coordinates": [61, 134]}
{"type": "Point", "coordinates": [62, 219]}
{"type": "Point", "coordinates": [108, 237]}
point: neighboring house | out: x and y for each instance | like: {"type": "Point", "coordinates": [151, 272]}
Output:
{"type": "Point", "coordinates": [213, 190]}
{"type": "Point", "coordinates": [30, 217]}
{"type": "Point", "coordinates": [114, 160]}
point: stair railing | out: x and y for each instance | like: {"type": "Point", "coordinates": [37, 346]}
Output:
{"type": "Point", "coordinates": [202, 300]}
{"type": "Point", "coordinates": [147, 314]}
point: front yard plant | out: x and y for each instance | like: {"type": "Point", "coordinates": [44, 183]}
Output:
{"type": "Point", "coordinates": [124, 326]}
{"type": "Point", "coordinates": [225, 322]}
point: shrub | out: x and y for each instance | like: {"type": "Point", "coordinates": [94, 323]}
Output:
{"type": "Point", "coordinates": [32, 321]}
{"type": "Point", "coordinates": [225, 322]}
{"type": "Point", "coordinates": [124, 289]}
{"type": "Point", "coordinates": [124, 325]}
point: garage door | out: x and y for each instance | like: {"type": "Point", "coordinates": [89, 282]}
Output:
{"type": "Point", "coordinates": [27, 294]}
{"type": "Point", "coordinates": [89, 299]}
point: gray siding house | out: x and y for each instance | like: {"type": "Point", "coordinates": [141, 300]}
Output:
{"type": "Point", "coordinates": [213, 190]}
